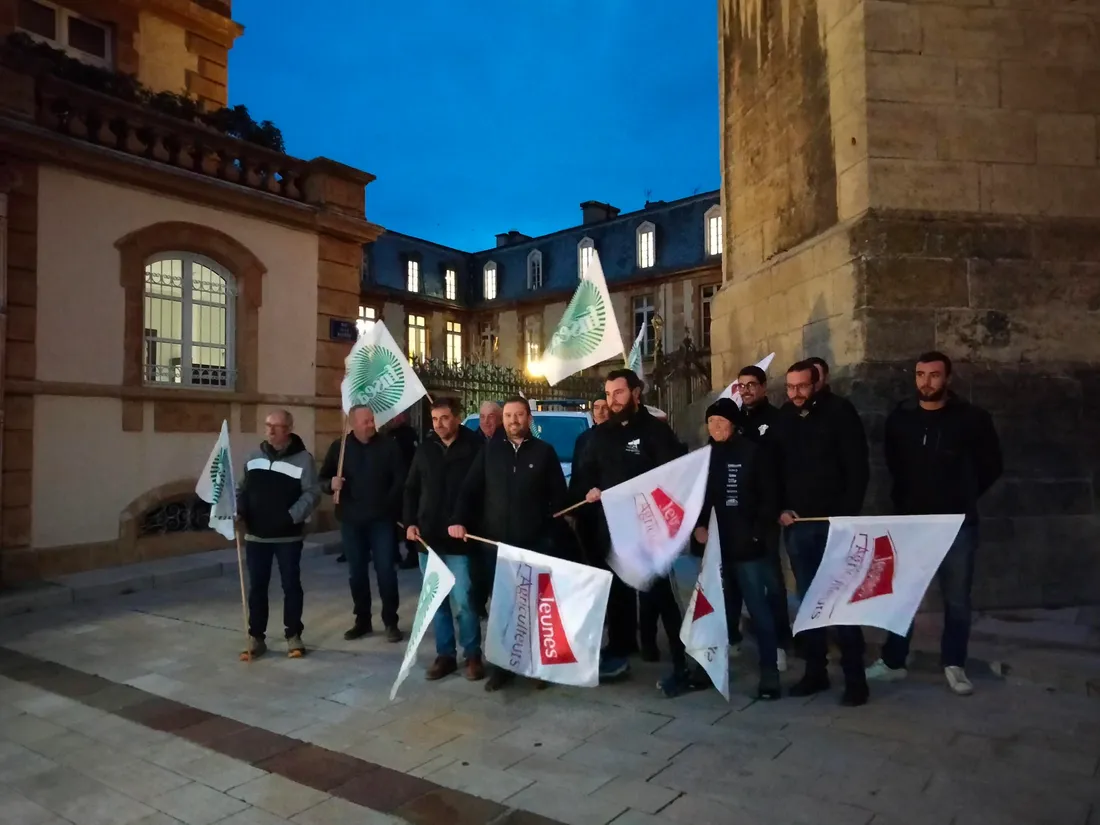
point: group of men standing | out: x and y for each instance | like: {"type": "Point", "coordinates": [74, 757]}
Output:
{"type": "Point", "coordinates": [773, 471]}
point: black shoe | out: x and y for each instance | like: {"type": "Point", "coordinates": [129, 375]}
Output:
{"type": "Point", "coordinates": [498, 679]}
{"type": "Point", "coordinates": [769, 689]}
{"type": "Point", "coordinates": [856, 693]}
{"type": "Point", "coordinates": [393, 635]}
{"type": "Point", "coordinates": [810, 684]}
{"type": "Point", "coordinates": [650, 653]}
{"type": "Point", "coordinates": [341, 558]}
{"type": "Point", "coordinates": [358, 631]}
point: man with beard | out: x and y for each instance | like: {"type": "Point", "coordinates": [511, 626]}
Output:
{"type": "Point", "coordinates": [586, 518]}
{"type": "Point", "coordinates": [825, 470]}
{"type": "Point", "coordinates": [513, 488]}
{"type": "Point", "coordinates": [631, 443]}
{"type": "Point", "coordinates": [431, 491]}
{"type": "Point", "coordinates": [943, 454]}
{"type": "Point", "coordinates": [757, 423]}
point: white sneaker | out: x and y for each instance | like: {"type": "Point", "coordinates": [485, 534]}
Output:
{"type": "Point", "coordinates": [781, 660]}
{"type": "Point", "coordinates": [957, 681]}
{"type": "Point", "coordinates": [879, 672]}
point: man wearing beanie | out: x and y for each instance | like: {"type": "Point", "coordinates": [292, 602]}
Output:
{"type": "Point", "coordinates": [743, 492]}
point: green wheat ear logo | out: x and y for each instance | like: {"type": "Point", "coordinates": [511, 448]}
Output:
{"type": "Point", "coordinates": [536, 430]}
{"type": "Point", "coordinates": [427, 596]}
{"type": "Point", "coordinates": [218, 474]}
{"type": "Point", "coordinates": [376, 379]}
{"type": "Point", "coordinates": [582, 326]}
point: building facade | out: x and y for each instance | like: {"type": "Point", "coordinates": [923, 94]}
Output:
{"type": "Point", "coordinates": [157, 276]}
{"type": "Point", "coordinates": [500, 305]}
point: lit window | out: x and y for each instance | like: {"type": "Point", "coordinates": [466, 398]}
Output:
{"type": "Point", "coordinates": [418, 338]}
{"type": "Point", "coordinates": [713, 221]}
{"type": "Point", "coordinates": [706, 297]}
{"type": "Point", "coordinates": [412, 277]}
{"type": "Point", "coordinates": [188, 321]}
{"type": "Point", "coordinates": [643, 316]}
{"type": "Point", "coordinates": [585, 250]}
{"type": "Point", "coordinates": [489, 341]}
{"type": "Point", "coordinates": [367, 317]}
{"type": "Point", "coordinates": [534, 269]}
{"type": "Point", "coordinates": [647, 249]}
{"type": "Point", "coordinates": [77, 36]}
{"type": "Point", "coordinates": [532, 338]}
{"type": "Point", "coordinates": [450, 285]}
{"type": "Point", "coordinates": [454, 342]}
{"type": "Point", "coordinates": [490, 282]}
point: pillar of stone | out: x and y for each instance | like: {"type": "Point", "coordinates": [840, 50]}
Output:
{"type": "Point", "coordinates": [904, 176]}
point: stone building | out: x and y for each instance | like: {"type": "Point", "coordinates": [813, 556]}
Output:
{"type": "Point", "coordinates": [502, 304]}
{"type": "Point", "coordinates": [902, 176]}
{"type": "Point", "coordinates": [157, 276]}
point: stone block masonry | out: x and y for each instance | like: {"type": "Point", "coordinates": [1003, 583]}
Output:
{"type": "Point", "coordinates": [902, 176]}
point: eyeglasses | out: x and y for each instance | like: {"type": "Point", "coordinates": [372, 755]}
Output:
{"type": "Point", "coordinates": [749, 385]}
{"type": "Point", "coordinates": [797, 387]}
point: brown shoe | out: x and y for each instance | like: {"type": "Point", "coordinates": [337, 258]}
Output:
{"type": "Point", "coordinates": [475, 668]}
{"type": "Point", "coordinates": [442, 666]}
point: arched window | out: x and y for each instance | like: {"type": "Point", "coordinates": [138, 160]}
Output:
{"type": "Point", "coordinates": [188, 321]}
{"type": "Point", "coordinates": [712, 228]}
{"type": "Point", "coordinates": [585, 250]}
{"type": "Point", "coordinates": [534, 269]}
{"type": "Point", "coordinates": [490, 281]}
{"type": "Point", "coordinates": [647, 245]}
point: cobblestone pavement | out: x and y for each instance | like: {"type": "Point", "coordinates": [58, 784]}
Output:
{"type": "Point", "coordinates": [316, 741]}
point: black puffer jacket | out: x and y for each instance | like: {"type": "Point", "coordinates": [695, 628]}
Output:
{"type": "Point", "coordinates": [374, 479]}
{"type": "Point", "coordinates": [432, 488]}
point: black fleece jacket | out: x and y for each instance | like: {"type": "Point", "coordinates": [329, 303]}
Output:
{"type": "Point", "coordinates": [374, 479]}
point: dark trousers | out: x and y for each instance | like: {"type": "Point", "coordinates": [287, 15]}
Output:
{"type": "Point", "coordinates": [660, 601]}
{"type": "Point", "coordinates": [259, 557]}
{"type": "Point", "coordinates": [806, 547]}
{"type": "Point", "coordinates": [483, 569]}
{"type": "Point", "coordinates": [776, 595]}
{"type": "Point", "coordinates": [755, 582]}
{"type": "Point", "coordinates": [956, 577]}
{"type": "Point", "coordinates": [363, 543]}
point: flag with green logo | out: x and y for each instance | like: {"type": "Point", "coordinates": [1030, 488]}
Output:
{"type": "Point", "coordinates": [378, 375]}
{"type": "Point", "coordinates": [634, 360]}
{"type": "Point", "coordinates": [216, 486]}
{"type": "Point", "coordinates": [438, 581]}
{"type": "Point", "coordinates": [588, 333]}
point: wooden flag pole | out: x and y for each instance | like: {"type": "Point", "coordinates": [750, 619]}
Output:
{"type": "Point", "coordinates": [244, 597]}
{"type": "Point", "coordinates": [340, 462]}
{"type": "Point", "coordinates": [814, 518]}
{"type": "Point", "coordinates": [479, 538]}
{"type": "Point", "coordinates": [571, 507]}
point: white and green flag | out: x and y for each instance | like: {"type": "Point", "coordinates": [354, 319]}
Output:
{"type": "Point", "coordinates": [438, 581]}
{"type": "Point", "coordinates": [216, 487]}
{"type": "Point", "coordinates": [634, 361]}
{"type": "Point", "coordinates": [378, 375]}
{"type": "Point", "coordinates": [588, 333]}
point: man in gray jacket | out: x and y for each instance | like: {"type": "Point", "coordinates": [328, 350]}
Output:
{"type": "Point", "coordinates": [276, 494]}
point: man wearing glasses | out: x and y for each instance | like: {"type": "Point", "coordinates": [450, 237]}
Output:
{"type": "Point", "coordinates": [825, 470]}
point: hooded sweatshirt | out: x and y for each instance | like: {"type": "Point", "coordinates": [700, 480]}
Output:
{"type": "Point", "coordinates": [277, 492]}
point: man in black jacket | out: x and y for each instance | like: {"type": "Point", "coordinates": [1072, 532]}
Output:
{"type": "Point", "coordinates": [632, 442]}
{"type": "Point", "coordinates": [742, 491]}
{"type": "Point", "coordinates": [943, 454]}
{"type": "Point", "coordinates": [431, 493]}
{"type": "Point", "coordinates": [368, 503]}
{"type": "Point", "coordinates": [275, 495]}
{"type": "Point", "coordinates": [757, 423]}
{"type": "Point", "coordinates": [512, 491]}
{"type": "Point", "coordinates": [824, 469]}
{"type": "Point", "coordinates": [401, 431]}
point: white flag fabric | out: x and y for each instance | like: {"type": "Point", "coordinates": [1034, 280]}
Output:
{"type": "Point", "coordinates": [546, 617]}
{"type": "Point", "coordinates": [634, 361]}
{"type": "Point", "coordinates": [378, 375]}
{"type": "Point", "coordinates": [876, 570]}
{"type": "Point", "coordinates": [650, 517]}
{"type": "Point", "coordinates": [704, 631]}
{"type": "Point", "coordinates": [587, 333]}
{"type": "Point", "coordinates": [733, 390]}
{"type": "Point", "coordinates": [437, 585]}
{"type": "Point", "coordinates": [216, 486]}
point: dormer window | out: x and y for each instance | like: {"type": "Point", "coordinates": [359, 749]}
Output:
{"type": "Point", "coordinates": [534, 269]}
{"type": "Point", "coordinates": [712, 223]}
{"type": "Point", "coordinates": [647, 245]}
{"type": "Point", "coordinates": [450, 284]}
{"type": "Point", "coordinates": [412, 276]}
{"type": "Point", "coordinates": [586, 249]}
{"type": "Point", "coordinates": [489, 282]}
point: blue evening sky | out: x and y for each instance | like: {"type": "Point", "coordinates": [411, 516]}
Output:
{"type": "Point", "coordinates": [480, 116]}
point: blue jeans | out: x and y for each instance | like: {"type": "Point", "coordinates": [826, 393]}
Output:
{"type": "Point", "coordinates": [374, 541]}
{"type": "Point", "coordinates": [259, 556]}
{"type": "Point", "coordinates": [777, 598]}
{"type": "Point", "coordinates": [956, 577]}
{"type": "Point", "coordinates": [459, 606]}
{"type": "Point", "coordinates": [756, 581]}
{"type": "Point", "coordinates": [806, 547]}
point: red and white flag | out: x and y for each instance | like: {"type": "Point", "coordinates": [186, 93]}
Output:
{"type": "Point", "coordinates": [546, 617]}
{"type": "Point", "coordinates": [650, 517]}
{"type": "Point", "coordinates": [733, 391]}
{"type": "Point", "coordinates": [704, 632]}
{"type": "Point", "coordinates": [876, 570]}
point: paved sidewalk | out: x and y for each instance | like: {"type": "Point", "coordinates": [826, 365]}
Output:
{"type": "Point", "coordinates": [1013, 753]}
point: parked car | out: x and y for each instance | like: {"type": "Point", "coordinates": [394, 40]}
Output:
{"type": "Point", "coordinates": [559, 428]}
